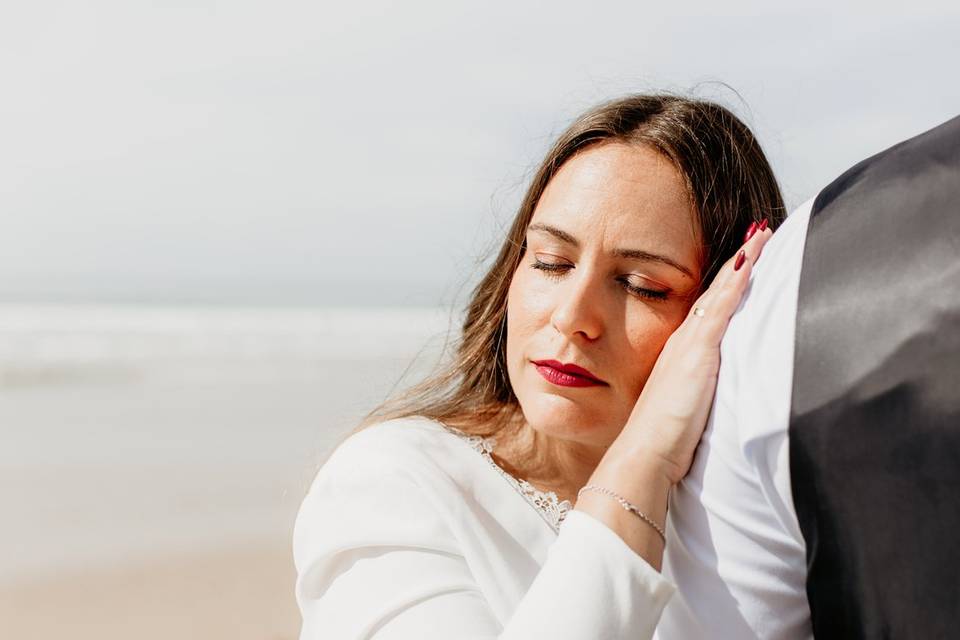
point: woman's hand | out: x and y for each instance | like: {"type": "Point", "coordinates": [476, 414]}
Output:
{"type": "Point", "coordinates": [656, 446]}
{"type": "Point", "coordinates": [671, 412]}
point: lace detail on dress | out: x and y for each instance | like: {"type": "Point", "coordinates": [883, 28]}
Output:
{"type": "Point", "coordinates": [546, 503]}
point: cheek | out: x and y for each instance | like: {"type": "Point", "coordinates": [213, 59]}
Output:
{"type": "Point", "coordinates": [646, 335]}
{"type": "Point", "coordinates": [528, 304]}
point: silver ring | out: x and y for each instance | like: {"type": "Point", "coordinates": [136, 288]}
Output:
{"type": "Point", "coordinates": [699, 311]}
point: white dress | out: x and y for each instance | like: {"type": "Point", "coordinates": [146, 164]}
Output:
{"type": "Point", "coordinates": [410, 530]}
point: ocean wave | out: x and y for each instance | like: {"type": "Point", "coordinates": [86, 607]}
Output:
{"type": "Point", "coordinates": [55, 344]}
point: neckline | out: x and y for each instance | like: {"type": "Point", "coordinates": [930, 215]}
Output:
{"type": "Point", "coordinates": [551, 509]}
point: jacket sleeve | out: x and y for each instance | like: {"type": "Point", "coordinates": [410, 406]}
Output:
{"type": "Point", "coordinates": [375, 559]}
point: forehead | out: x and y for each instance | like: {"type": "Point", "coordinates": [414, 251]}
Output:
{"type": "Point", "coordinates": [623, 193]}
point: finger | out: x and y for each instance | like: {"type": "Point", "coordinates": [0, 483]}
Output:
{"type": "Point", "coordinates": [715, 307]}
{"type": "Point", "coordinates": [723, 303]}
{"type": "Point", "coordinates": [752, 248]}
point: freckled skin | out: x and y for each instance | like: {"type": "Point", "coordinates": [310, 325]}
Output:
{"type": "Point", "coordinates": [610, 196]}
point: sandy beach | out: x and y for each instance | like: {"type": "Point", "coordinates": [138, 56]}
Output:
{"type": "Point", "coordinates": [154, 460]}
{"type": "Point", "coordinates": [244, 593]}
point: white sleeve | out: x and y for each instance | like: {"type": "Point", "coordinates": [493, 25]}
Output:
{"type": "Point", "coordinates": [375, 559]}
{"type": "Point", "coordinates": [766, 366]}
{"type": "Point", "coordinates": [734, 548]}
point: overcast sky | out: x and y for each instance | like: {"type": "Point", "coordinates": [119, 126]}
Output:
{"type": "Point", "coordinates": [370, 153]}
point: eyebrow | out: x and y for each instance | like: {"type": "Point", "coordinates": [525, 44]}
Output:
{"type": "Point", "coordinates": [635, 254]}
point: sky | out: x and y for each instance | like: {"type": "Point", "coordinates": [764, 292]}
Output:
{"type": "Point", "coordinates": [373, 153]}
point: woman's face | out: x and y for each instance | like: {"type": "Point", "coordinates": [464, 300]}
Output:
{"type": "Point", "coordinates": [620, 239]}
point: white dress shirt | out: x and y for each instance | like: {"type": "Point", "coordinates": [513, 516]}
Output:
{"type": "Point", "coordinates": [408, 532]}
{"type": "Point", "coordinates": [735, 550]}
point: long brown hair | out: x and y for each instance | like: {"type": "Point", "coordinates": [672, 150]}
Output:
{"type": "Point", "coordinates": [729, 181]}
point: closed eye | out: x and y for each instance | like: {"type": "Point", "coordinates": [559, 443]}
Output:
{"type": "Point", "coordinates": [556, 271]}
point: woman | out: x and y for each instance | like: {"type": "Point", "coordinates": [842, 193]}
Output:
{"type": "Point", "coordinates": [583, 376]}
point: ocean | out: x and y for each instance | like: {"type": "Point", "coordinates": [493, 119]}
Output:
{"type": "Point", "coordinates": [131, 433]}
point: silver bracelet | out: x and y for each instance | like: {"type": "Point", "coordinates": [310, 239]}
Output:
{"type": "Point", "coordinates": [629, 506]}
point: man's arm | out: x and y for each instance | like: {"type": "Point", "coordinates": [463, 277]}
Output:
{"type": "Point", "coordinates": [734, 549]}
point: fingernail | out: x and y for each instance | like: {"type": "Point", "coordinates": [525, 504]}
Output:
{"type": "Point", "coordinates": [741, 257]}
{"type": "Point", "coordinates": [763, 225]}
{"type": "Point", "coordinates": [752, 229]}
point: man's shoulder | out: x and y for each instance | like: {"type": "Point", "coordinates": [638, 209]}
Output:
{"type": "Point", "coordinates": [773, 284]}
{"type": "Point", "coordinates": [782, 257]}
{"type": "Point", "coordinates": [735, 554]}
{"type": "Point", "coordinates": [756, 354]}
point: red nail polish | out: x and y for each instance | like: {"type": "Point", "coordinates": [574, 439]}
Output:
{"type": "Point", "coordinates": [741, 257]}
{"type": "Point", "coordinates": [752, 229]}
{"type": "Point", "coordinates": [763, 225]}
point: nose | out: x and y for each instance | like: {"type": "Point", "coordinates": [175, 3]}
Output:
{"type": "Point", "coordinates": [578, 309]}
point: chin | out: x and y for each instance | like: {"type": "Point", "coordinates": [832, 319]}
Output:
{"type": "Point", "coordinates": [560, 417]}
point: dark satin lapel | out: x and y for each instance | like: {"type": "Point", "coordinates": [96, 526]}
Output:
{"type": "Point", "coordinates": [875, 416]}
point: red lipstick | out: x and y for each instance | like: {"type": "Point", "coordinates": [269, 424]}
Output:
{"type": "Point", "coordinates": [566, 375]}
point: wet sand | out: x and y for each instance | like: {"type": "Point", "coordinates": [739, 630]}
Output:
{"type": "Point", "coordinates": [242, 594]}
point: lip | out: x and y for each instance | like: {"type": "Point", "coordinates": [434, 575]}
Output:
{"type": "Point", "coordinates": [566, 375]}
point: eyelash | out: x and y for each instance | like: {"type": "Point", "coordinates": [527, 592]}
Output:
{"type": "Point", "coordinates": [556, 270]}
